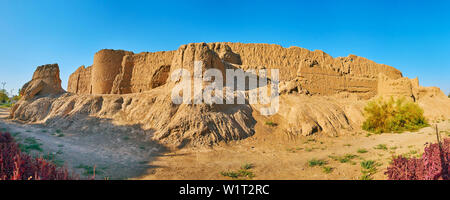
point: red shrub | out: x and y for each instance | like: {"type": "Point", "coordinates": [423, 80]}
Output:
{"type": "Point", "coordinates": [433, 165]}
{"type": "Point", "coordinates": [15, 165]}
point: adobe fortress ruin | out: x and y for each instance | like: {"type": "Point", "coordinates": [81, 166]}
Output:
{"type": "Point", "coordinates": [319, 93]}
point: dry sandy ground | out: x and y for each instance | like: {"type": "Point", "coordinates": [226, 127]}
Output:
{"type": "Point", "coordinates": [275, 156]}
{"type": "Point", "coordinates": [272, 154]}
{"type": "Point", "coordinates": [115, 156]}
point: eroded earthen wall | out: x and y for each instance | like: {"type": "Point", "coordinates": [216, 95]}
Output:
{"type": "Point", "coordinates": [80, 81]}
{"type": "Point", "coordinates": [107, 65]}
{"type": "Point", "coordinates": [317, 72]}
{"type": "Point", "coordinates": [121, 72]}
{"type": "Point", "coordinates": [150, 70]}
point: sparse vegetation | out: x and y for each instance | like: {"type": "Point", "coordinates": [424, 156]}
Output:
{"type": "Point", "coordinates": [344, 159]}
{"type": "Point", "coordinates": [30, 144]}
{"type": "Point", "coordinates": [327, 169]}
{"type": "Point", "coordinates": [362, 150]}
{"type": "Point", "coordinates": [247, 166]}
{"type": "Point", "coordinates": [242, 173]}
{"type": "Point", "coordinates": [317, 162]}
{"type": "Point", "coordinates": [393, 116]}
{"type": "Point", "coordinates": [15, 165]}
{"type": "Point", "coordinates": [381, 147]}
{"type": "Point", "coordinates": [271, 123]}
{"type": "Point", "coordinates": [368, 168]}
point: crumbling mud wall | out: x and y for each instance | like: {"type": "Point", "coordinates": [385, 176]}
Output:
{"type": "Point", "coordinates": [313, 72]}
{"type": "Point", "coordinates": [80, 81]}
{"type": "Point", "coordinates": [142, 72]}
{"type": "Point", "coordinates": [121, 72]}
{"type": "Point", "coordinates": [45, 81]}
{"type": "Point", "coordinates": [319, 94]}
{"type": "Point", "coordinates": [107, 65]}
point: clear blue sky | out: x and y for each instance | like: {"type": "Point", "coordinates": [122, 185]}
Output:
{"type": "Point", "coordinates": [413, 36]}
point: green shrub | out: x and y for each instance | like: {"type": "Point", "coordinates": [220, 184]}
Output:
{"type": "Point", "coordinates": [393, 116]}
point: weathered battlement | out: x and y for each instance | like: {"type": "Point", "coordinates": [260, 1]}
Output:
{"type": "Point", "coordinates": [122, 72]}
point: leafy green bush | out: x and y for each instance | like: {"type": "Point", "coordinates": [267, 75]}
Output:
{"type": "Point", "coordinates": [393, 116]}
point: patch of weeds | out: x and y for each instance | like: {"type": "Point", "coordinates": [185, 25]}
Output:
{"type": "Point", "coordinates": [393, 148]}
{"type": "Point", "coordinates": [58, 131]}
{"type": "Point", "coordinates": [271, 123]}
{"type": "Point", "coordinates": [368, 164]}
{"type": "Point", "coordinates": [308, 149]}
{"type": "Point", "coordinates": [347, 145]}
{"type": "Point", "coordinates": [247, 166]}
{"type": "Point", "coordinates": [30, 144]}
{"type": "Point", "coordinates": [60, 145]}
{"type": "Point", "coordinates": [344, 159]}
{"type": "Point", "coordinates": [368, 168]}
{"type": "Point", "coordinates": [52, 158]}
{"type": "Point", "coordinates": [327, 169]}
{"type": "Point", "coordinates": [15, 134]}
{"type": "Point", "coordinates": [44, 131]}
{"type": "Point", "coordinates": [246, 174]}
{"type": "Point", "coordinates": [362, 150]}
{"type": "Point", "coordinates": [126, 138]}
{"type": "Point", "coordinates": [381, 147]}
{"type": "Point", "coordinates": [242, 173]}
{"type": "Point", "coordinates": [317, 162]}
{"type": "Point", "coordinates": [230, 174]}
{"type": "Point", "coordinates": [142, 147]}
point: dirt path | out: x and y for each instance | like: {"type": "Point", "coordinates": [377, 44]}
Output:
{"type": "Point", "coordinates": [273, 156]}
{"type": "Point", "coordinates": [115, 156]}
{"type": "Point", "coordinates": [287, 159]}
